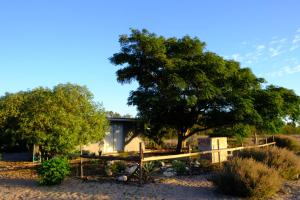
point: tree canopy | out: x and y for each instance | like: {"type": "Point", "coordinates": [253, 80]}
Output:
{"type": "Point", "coordinates": [57, 119]}
{"type": "Point", "coordinates": [186, 88]}
{"type": "Point", "coordinates": [113, 114]}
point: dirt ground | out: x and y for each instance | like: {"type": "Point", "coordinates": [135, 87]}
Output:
{"type": "Point", "coordinates": [19, 181]}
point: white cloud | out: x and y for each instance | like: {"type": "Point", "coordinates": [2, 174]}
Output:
{"type": "Point", "coordinates": [296, 38]}
{"type": "Point", "coordinates": [292, 70]}
{"type": "Point", "coordinates": [236, 57]}
{"type": "Point", "coordinates": [278, 41]}
{"type": "Point", "coordinates": [274, 48]}
{"type": "Point", "coordinates": [286, 70]}
{"type": "Point", "coordinates": [260, 47]}
{"type": "Point", "coordinates": [275, 51]}
{"type": "Point", "coordinates": [294, 47]}
{"type": "Point", "coordinates": [292, 60]}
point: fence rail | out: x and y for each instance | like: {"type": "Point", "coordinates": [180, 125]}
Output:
{"type": "Point", "coordinates": [152, 158]}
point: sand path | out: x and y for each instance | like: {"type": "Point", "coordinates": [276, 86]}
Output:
{"type": "Point", "coordinates": [22, 184]}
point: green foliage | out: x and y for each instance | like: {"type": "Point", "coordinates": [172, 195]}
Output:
{"type": "Point", "coordinates": [247, 178]}
{"type": "Point", "coordinates": [237, 131]}
{"type": "Point", "coordinates": [205, 166]}
{"type": "Point", "coordinates": [288, 142]}
{"type": "Point", "coordinates": [113, 114]}
{"type": "Point", "coordinates": [152, 145]}
{"type": "Point", "coordinates": [186, 89]}
{"type": "Point", "coordinates": [149, 168]}
{"type": "Point", "coordinates": [179, 166]}
{"type": "Point", "coordinates": [57, 119]}
{"type": "Point", "coordinates": [290, 129]}
{"type": "Point", "coordinates": [118, 167]}
{"type": "Point", "coordinates": [53, 171]}
{"type": "Point", "coordinates": [1, 157]}
{"type": "Point", "coordinates": [285, 162]}
{"type": "Point", "coordinates": [117, 115]}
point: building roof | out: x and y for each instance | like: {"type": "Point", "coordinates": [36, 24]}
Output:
{"type": "Point", "coordinates": [122, 119]}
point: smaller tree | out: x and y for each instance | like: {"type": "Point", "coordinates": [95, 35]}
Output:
{"type": "Point", "coordinates": [57, 120]}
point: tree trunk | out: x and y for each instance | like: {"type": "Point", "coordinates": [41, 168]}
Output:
{"type": "Point", "coordinates": [179, 143]}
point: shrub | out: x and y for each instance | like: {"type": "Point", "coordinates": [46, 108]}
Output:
{"type": "Point", "coordinates": [204, 166]}
{"type": "Point", "coordinates": [282, 160]}
{"type": "Point", "coordinates": [150, 168]}
{"type": "Point", "coordinates": [179, 166]}
{"type": "Point", "coordinates": [118, 167]}
{"type": "Point", "coordinates": [53, 171]}
{"type": "Point", "coordinates": [288, 142]}
{"type": "Point", "coordinates": [247, 178]}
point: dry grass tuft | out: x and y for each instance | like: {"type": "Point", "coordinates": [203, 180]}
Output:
{"type": "Point", "coordinates": [284, 161]}
{"type": "Point", "coordinates": [247, 178]}
{"type": "Point", "coordinates": [285, 141]}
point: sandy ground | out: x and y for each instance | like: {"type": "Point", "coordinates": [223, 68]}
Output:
{"type": "Point", "coordinates": [16, 183]}
{"type": "Point", "coordinates": [172, 188]}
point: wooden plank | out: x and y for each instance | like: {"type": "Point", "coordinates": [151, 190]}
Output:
{"type": "Point", "coordinates": [130, 158]}
{"type": "Point", "coordinates": [152, 158]}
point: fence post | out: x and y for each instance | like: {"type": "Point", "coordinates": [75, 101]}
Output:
{"type": "Point", "coordinates": [33, 153]}
{"type": "Point", "coordinates": [255, 138]}
{"type": "Point", "coordinates": [141, 163]}
{"type": "Point", "coordinates": [190, 159]}
{"type": "Point", "coordinates": [219, 153]}
{"type": "Point", "coordinates": [81, 164]}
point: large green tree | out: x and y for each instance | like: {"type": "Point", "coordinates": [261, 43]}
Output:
{"type": "Point", "coordinates": [187, 89]}
{"type": "Point", "coordinates": [57, 119]}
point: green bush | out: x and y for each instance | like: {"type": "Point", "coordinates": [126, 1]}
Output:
{"type": "Point", "coordinates": [53, 171]}
{"type": "Point", "coordinates": [282, 160]}
{"type": "Point", "coordinates": [204, 166]}
{"type": "Point", "coordinates": [247, 178]}
{"type": "Point", "coordinates": [118, 167]}
{"type": "Point", "coordinates": [284, 141]}
{"type": "Point", "coordinates": [179, 167]}
{"type": "Point", "coordinates": [150, 168]}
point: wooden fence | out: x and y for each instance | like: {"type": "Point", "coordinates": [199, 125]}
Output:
{"type": "Point", "coordinates": [141, 159]}
{"type": "Point", "coordinates": [153, 158]}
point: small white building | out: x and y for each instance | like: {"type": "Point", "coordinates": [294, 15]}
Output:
{"type": "Point", "coordinates": [214, 143]}
{"type": "Point", "coordinates": [122, 137]}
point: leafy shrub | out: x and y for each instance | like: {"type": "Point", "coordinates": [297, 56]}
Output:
{"type": "Point", "coordinates": [118, 167]}
{"type": "Point", "coordinates": [179, 166]}
{"type": "Point", "coordinates": [151, 144]}
{"type": "Point", "coordinates": [288, 142]}
{"type": "Point", "coordinates": [282, 160]}
{"type": "Point", "coordinates": [149, 168]}
{"type": "Point", "coordinates": [247, 178]}
{"type": "Point", "coordinates": [53, 171]}
{"type": "Point", "coordinates": [204, 166]}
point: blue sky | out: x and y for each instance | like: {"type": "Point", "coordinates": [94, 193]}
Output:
{"type": "Point", "coordinates": [46, 42]}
